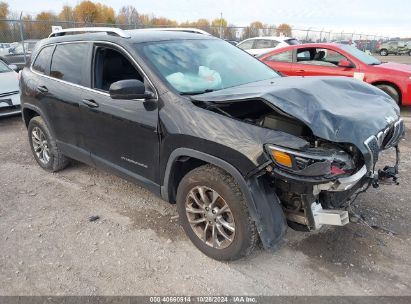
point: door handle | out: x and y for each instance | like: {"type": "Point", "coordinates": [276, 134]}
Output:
{"type": "Point", "coordinates": [300, 71]}
{"type": "Point", "coordinates": [42, 89]}
{"type": "Point", "coordinates": [90, 103]}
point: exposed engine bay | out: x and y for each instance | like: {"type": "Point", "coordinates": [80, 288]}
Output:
{"type": "Point", "coordinates": [314, 185]}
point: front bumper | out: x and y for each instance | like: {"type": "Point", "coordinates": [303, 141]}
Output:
{"type": "Point", "coordinates": [311, 203]}
{"type": "Point", "coordinates": [9, 104]}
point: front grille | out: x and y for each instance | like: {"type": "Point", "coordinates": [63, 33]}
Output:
{"type": "Point", "coordinates": [385, 139]}
{"type": "Point", "coordinates": [8, 94]}
{"type": "Point", "coordinates": [374, 149]}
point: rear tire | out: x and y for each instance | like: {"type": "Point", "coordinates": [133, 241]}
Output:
{"type": "Point", "coordinates": [43, 146]}
{"type": "Point", "coordinates": [383, 52]}
{"type": "Point", "coordinates": [391, 91]}
{"type": "Point", "coordinates": [235, 232]}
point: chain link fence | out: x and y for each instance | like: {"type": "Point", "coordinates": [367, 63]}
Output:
{"type": "Point", "coordinates": [13, 31]}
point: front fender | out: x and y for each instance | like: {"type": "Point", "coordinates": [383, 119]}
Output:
{"type": "Point", "coordinates": [262, 202]}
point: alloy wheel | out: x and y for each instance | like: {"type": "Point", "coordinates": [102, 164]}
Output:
{"type": "Point", "coordinates": [40, 145]}
{"type": "Point", "coordinates": [210, 217]}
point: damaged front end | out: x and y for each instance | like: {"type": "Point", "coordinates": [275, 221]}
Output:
{"type": "Point", "coordinates": [344, 137]}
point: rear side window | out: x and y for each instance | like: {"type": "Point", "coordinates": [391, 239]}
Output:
{"type": "Point", "coordinates": [281, 57]}
{"type": "Point", "coordinates": [265, 44]}
{"type": "Point", "coordinates": [68, 61]}
{"type": "Point", "coordinates": [246, 45]}
{"type": "Point", "coordinates": [42, 62]}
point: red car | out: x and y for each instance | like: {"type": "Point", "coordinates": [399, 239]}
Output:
{"type": "Point", "coordinates": [327, 59]}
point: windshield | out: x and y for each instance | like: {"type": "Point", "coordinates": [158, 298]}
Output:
{"type": "Point", "coordinates": [197, 66]}
{"type": "Point", "coordinates": [360, 55]}
{"type": "Point", "coordinates": [4, 67]}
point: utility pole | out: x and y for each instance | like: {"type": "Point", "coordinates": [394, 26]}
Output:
{"type": "Point", "coordinates": [22, 37]}
{"type": "Point", "coordinates": [221, 25]}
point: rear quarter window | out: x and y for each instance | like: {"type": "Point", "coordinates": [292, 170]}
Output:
{"type": "Point", "coordinates": [293, 41]}
{"type": "Point", "coordinates": [43, 59]}
{"type": "Point", "coordinates": [246, 45]}
{"type": "Point", "coordinates": [286, 56]}
{"type": "Point", "coordinates": [68, 61]}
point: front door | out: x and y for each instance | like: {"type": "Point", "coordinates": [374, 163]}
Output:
{"type": "Point", "coordinates": [320, 62]}
{"type": "Point", "coordinates": [122, 134]}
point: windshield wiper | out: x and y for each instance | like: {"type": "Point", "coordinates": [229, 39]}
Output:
{"type": "Point", "coordinates": [197, 92]}
{"type": "Point", "coordinates": [375, 63]}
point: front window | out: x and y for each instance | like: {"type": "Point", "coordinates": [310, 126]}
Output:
{"type": "Point", "coordinates": [319, 56]}
{"type": "Point", "coordinates": [196, 66]}
{"type": "Point", "coordinates": [111, 66]}
{"type": "Point", "coordinates": [360, 55]}
{"type": "Point", "coordinates": [4, 67]}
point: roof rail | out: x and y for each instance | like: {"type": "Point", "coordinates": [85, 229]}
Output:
{"type": "Point", "coordinates": [109, 30]}
{"type": "Point", "coordinates": [178, 29]}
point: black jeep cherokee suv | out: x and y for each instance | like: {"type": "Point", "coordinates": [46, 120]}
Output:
{"type": "Point", "coordinates": [241, 150]}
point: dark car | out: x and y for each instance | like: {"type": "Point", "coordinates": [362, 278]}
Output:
{"type": "Point", "coordinates": [239, 149]}
{"type": "Point", "coordinates": [16, 54]}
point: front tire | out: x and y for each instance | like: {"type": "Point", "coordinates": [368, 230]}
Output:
{"type": "Point", "coordinates": [391, 91]}
{"type": "Point", "coordinates": [43, 146]}
{"type": "Point", "coordinates": [214, 214]}
{"type": "Point", "coordinates": [384, 52]}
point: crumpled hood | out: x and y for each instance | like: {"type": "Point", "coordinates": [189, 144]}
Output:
{"type": "Point", "coordinates": [337, 109]}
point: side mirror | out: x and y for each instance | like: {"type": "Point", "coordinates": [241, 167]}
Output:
{"type": "Point", "coordinates": [13, 67]}
{"type": "Point", "coordinates": [129, 89]}
{"type": "Point", "coordinates": [11, 50]}
{"type": "Point", "coordinates": [345, 64]}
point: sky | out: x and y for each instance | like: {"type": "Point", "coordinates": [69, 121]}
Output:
{"type": "Point", "coordinates": [377, 17]}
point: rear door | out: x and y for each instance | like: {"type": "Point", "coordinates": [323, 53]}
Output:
{"type": "Point", "coordinates": [122, 134]}
{"type": "Point", "coordinates": [317, 61]}
{"type": "Point", "coordinates": [59, 84]}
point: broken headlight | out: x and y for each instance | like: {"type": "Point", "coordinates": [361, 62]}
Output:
{"type": "Point", "coordinates": [322, 161]}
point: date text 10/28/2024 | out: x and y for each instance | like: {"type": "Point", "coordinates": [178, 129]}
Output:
{"type": "Point", "coordinates": [203, 299]}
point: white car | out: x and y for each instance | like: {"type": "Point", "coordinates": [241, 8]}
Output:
{"type": "Point", "coordinates": [260, 45]}
{"type": "Point", "coordinates": [4, 48]}
{"type": "Point", "coordinates": [9, 91]}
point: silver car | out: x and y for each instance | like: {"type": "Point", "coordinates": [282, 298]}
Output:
{"type": "Point", "coordinates": [9, 91]}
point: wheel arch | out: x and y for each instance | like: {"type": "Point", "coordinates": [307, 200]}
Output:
{"type": "Point", "coordinates": [29, 111]}
{"type": "Point", "coordinates": [183, 160]}
{"type": "Point", "coordinates": [263, 204]}
{"type": "Point", "coordinates": [389, 83]}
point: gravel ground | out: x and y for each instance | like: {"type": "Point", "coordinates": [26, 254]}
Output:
{"type": "Point", "coordinates": [48, 246]}
{"type": "Point", "coordinates": [395, 58]}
